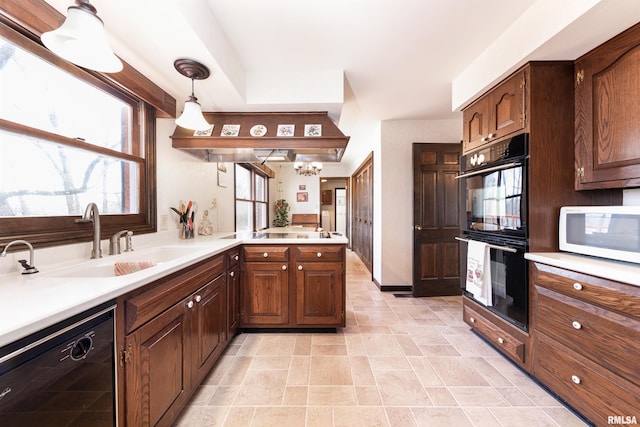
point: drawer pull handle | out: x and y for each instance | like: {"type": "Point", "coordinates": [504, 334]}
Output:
{"type": "Point", "coordinates": [233, 273]}
{"type": "Point", "coordinates": [319, 254]}
{"type": "Point", "coordinates": [235, 258]}
{"type": "Point", "coordinates": [300, 267]}
{"type": "Point", "coordinates": [501, 341]}
{"type": "Point", "coordinates": [190, 304]}
{"type": "Point", "coordinates": [472, 320]}
{"type": "Point", "coordinates": [198, 298]}
{"type": "Point", "coordinates": [265, 254]}
{"type": "Point", "coordinates": [576, 324]}
{"type": "Point", "coordinates": [576, 379]}
{"type": "Point", "coordinates": [284, 267]}
{"type": "Point", "coordinates": [577, 286]}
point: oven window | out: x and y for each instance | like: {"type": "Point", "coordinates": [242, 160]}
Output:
{"type": "Point", "coordinates": [495, 200]}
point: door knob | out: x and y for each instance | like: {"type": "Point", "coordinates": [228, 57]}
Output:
{"type": "Point", "coordinates": [417, 227]}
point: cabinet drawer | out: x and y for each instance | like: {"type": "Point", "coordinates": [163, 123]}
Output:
{"type": "Point", "coordinates": [613, 295]}
{"type": "Point", "coordinates": [233, 257]}
{"type": "Point", "coordinates": [601, 335]}
{"type": "Point", "coordinates": [594, 391]}
{"type": "Point", "coordinates": [265, 253]}
{"type": "Point", "coordinates": [508, 344]}
{"type": "Point", "coordinates": [319, 253]}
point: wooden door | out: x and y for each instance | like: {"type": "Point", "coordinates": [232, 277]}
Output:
{"type": "Point", "coordinates": [209, 327]}
{"type": "Point", "coordinates": [436, 257]}
{"type": "Point", "coordinates": [319, 293]}
{"type": "Point", "coordinates": [362, 242]}
{"type": "Point", "coordinates": [265, 293]}
{"type": "Point", "coordinates": [158, 371]}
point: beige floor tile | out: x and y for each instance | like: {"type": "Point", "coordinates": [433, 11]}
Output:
{"type": "Point", "coordinates": [279, 416]}
{"type": "Point", "coordinates": [276, 345]}
{"type": "Point", "coordinates": [328, 350]}
{"type": "Point", "coordinates": [564, 417]}
{"type": "Point", "coordinates": [237, 416]}
{"type": "Point", "coordinates": [400, 387]}
{"type": "Point", "coordinates": [424, 371]}
{"type": "Point", "coordinates": [262, 388]}
{"type": "Point", "coordinates": [326, 370]}
{"type": "Point", "coordinates": [319, 416]}
{"type": "Point", "coordinates": [223, 396]}
{"type": "Point", "coordinates": [368, 396]}
{"type": "Point", "coordinates": [295, 395]}
{"type": "Point", "coordinates": [456, 371]}
{"type": "Point", "coordinates": [204, 416]}
{"type": "Point", "coordinates": [523, 417]}
{"type": "Point", "coordinates": [514, 396]}
{"type": "Point", "coordinates": [382, 345]}
{"type": "Point", "coordinates": [270, 362]}
{"type": "Point", "coordinates": [440, 396]}
{"type": "Point", "coordinates": [299, 370]}
{"type": "Point", "coordinates": [350, 416]}
{"type": "Point", "coordinates": [302, 345]}
{"type": "Point", "coordinates": [441, 417]}
{"type": "Point", "coordinates": [388, 362]}
{"type": "Point", "coordinates": [478, 396]}
{"type": "Point", "coordinates": [400, 417]}
{"type": "Point", "coordinates": [361, 371]}
{"type": "Point", "coordinates": [332, 395]}
{"type": "Point", "coordinates": [481, 417]}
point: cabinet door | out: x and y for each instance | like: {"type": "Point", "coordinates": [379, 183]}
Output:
{"type": "Point", "coordinates": [233, 301]}
{"type": "Point", "coordinates": [156, 370]}
{"type": "Point", "coordinates": [607, 153]}
{"type": "Point", "coordinates": [476, 125]}
{"type": "Point", "coordinates": [209, 326]}
{"type": "Point", "coordinates": [319, 293]}
{"type": "Point", "coordinates": [265, 293]}
{"type": "Point", "coordinates": [507, 110]}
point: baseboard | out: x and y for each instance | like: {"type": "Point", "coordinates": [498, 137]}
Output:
{"type": "Point", "coordinates": [392, 288]}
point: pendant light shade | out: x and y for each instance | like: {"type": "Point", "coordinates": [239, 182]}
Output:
{"type": "Point", "coordinates": [191, 117]}
{"type": "Point", "coordinates": [81, 40]}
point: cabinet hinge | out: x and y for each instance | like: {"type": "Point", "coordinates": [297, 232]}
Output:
{"type": "Point", "coordinates": [580, 173]}
{"type": "Point", "coordinates": [125, 356]}
{"type": "Point", "coordinates": [580, 76]}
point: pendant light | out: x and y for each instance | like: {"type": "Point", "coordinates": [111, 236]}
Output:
{"type": "Point", "coordinates": [81, 40]}
{"type": "Point", "coordinates": [307, 168]}
{"type": "Point", "coordinates": [192, 117]}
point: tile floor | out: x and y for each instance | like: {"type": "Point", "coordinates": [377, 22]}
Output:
{"type": "Point", "coordinates": [399, 362]}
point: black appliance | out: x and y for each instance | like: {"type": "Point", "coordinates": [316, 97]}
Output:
{"type": "Point", "coordinates": [63, 375]}
{"type": "Point", "coordinates": [493, 183]}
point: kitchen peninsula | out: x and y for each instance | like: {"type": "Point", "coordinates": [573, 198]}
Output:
{"type": "Point", "coordinates": [178, 315]}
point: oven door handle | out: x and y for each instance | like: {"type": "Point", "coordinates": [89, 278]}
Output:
{"type": "Point", "coordinates": [491, 169]}
{"type": "Point", "coordinates": [500, 248]}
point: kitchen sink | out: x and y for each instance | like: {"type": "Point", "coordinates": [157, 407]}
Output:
{"type": "Point", "coordinates": [127, 263]}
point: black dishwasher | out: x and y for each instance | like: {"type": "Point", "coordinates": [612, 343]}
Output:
{"type": "Point", "coordinates": [63, 375]}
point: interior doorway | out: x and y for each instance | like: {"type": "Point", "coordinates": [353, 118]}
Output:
{"type": "Point", "coordinates": [334, 204]}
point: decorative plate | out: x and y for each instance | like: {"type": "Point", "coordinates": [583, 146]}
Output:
{"type": "Point", "coordinates": [230, 130]}
{"type": "Point", "coordinates": [258, 130]}
{"type": "Point", "coordinates": [312, 130]}
{"type": "Point", "coordinates": [286, 130]}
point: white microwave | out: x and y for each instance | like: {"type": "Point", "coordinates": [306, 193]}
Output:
{"type": "Point", "coordinates": [604, 231]}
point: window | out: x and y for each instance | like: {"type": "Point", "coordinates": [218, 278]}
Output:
{"type": "Point", "coordinates": [251, 198]}
{"type": "Point", "coordinates": [67, 138]}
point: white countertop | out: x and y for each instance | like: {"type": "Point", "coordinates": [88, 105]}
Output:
{"type": "Point", "coordinates": [625, 272]}
{"type": "Point", "coordinates": [29, 303]}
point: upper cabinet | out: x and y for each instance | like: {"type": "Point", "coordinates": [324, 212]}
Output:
{"type": "Point", "coordinates": [607, 107]}
{"type": "Point", "coordinates": [500, 112]}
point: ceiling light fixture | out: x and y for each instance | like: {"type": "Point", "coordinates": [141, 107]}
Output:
{"type": "Point", "coordinates": [192, 117]}
{"type": "Point", "coordinates": [307, 168]}
{"type": "Point", "coordinates": [81, 40]}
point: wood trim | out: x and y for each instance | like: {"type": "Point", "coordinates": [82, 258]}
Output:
{"type": "Point", "coordinates": [34, 17]}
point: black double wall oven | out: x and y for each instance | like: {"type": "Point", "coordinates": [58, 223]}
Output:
{"type": "Point", "coordinates": [493, 193]}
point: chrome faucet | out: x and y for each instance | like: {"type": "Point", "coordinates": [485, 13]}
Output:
{"type": "Point", "coordinates": [114, 242]}
{"type": "Point", "coordinates": [91, 214]}
{"type": "Point", "coordinates": [28, 268]}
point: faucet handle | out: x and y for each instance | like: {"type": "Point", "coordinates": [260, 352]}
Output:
{"type": "Point", "coordinates": [128, 244]}
{"type": "Point", "coordinates": [28, 269]}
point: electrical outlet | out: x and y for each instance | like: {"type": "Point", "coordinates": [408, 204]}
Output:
{"type": "Point", "coordinates": [164, 222]}
{"type": "Point", "coordinates": [214, 204]}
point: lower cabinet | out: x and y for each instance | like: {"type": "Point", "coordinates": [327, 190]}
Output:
{"type": "Point", "coordinates": [297, 286]}
{"type": "Point", "coordinates": [506, 338]}
{"type": "Point", "coordinates": [587, 336]}
{"type": "Point", "coordinates": [174, 331]}
{"type": "Point", "coordinates": [233, 292]}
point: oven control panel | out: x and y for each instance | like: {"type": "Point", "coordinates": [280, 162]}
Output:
{"type": "Point", "coordinates": [501, 150]}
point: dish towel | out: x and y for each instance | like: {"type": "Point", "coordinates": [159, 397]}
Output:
{"type": "Point", "coordinates": [479, 272]}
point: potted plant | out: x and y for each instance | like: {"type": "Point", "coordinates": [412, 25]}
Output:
{"type": "Point", "coordinates": [282, 213]}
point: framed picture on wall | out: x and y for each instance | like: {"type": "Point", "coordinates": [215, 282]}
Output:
{"type": "Point", "coordinates": [326, 197]}
{"type": "Point", "coordinates": [302, 196]}
{"type": "Point", "coordinates": [302, 187]}
{"type": "Point", "coordinates": [223, 175]}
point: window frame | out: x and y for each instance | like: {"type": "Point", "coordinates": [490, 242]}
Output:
{"type": "Point", "coordinates": [254, 171]}
{"type": "Point", "coordinates": [58, 230]}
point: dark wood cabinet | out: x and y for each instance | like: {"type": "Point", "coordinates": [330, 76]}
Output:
{"type": "Point", "coordinates": [362, 227]}
{"type": "Point", "coordinates": [306, 289]}
{"type": "Point", "coordinates": [233, 292]}
{"type": "Point", "coordinates": [607, 131]}
{"type": "Point", "coordinates": [500, 112]}
{"type": "Point", "coordinates": [173, 332]}
{"type": "Point", "coordinates": [585, 329]}
{"type": "Point", "coordinates": [320, 293]}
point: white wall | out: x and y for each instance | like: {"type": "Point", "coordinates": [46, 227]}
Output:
{"type": "Point", "coordinates": [631, 197]}
{"type": "Point", "coordinates": [395, 206]}
{"type": "Point", "coordinates": [184, 177]}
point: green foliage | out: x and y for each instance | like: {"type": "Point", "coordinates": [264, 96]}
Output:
{"type": "Point", "coordinates": [282, 213]}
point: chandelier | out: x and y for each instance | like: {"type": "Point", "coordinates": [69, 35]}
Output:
{"type": "Point", "coordinates": [307, 168]}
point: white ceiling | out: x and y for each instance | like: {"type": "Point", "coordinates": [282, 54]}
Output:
{"type": "Point", "coordinates": [397, 59]}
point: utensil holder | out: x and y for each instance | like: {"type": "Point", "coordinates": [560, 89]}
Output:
{"type": "Point", "coordinates": [186, 233]}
